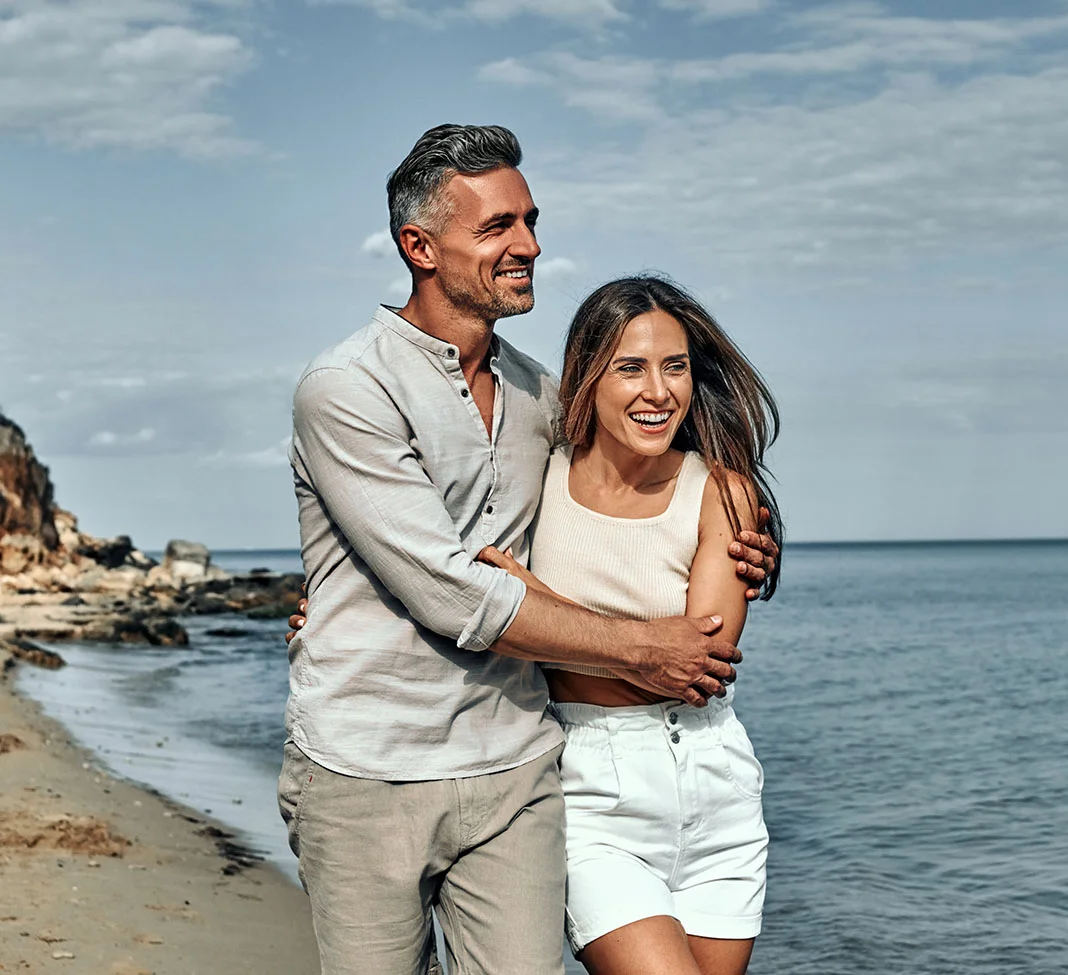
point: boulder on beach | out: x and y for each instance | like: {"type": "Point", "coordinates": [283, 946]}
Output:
{"type": "Point", "coordinates": [187, 561]}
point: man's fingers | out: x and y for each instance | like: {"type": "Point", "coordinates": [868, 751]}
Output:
{"type": "Point", "coordinates": [764, 543]}
{"type": "Point", "coordinates": [302, 607]}
{"type": "Point", "coordinates": [304, 588]}
{"type": "Point", "coordinates": [751, 594]}
{"type": "Point", "coordinates": [696, 698]}
{"type": "Point", "coordinates": [296, 621]}
{"type": "Point", "coordinates": [722, 651]}
{"type": "Point", "coordinates": [748, 553]}
{"type": "Point", "coordinates": [709, 624]}
{"type": "Point", "coordinates": [750, 573]}
{"type": "Point", "coordinates": [709, 686]}
{"type": "Point", "coordinates": [721, 671]}
{"type": "Point", "coordinates": [289, 636]}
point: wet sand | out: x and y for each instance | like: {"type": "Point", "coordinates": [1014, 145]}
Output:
{"type": "Point", "coordinates": [100, 877]}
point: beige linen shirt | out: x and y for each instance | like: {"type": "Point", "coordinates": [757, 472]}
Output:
{"type": "Point", "coordinates": [399, 487]}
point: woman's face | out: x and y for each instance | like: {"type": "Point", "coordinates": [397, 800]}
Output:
{"type": "Point", "coordinates": [644, 394]}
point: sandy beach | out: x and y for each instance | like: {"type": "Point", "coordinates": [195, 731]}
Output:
{"type": "Point", "coordinates": [99, 877]}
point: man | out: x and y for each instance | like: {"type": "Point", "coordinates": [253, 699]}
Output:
{"type": "Point", "coordinates": [420, 769]}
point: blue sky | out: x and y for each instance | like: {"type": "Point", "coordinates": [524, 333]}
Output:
{"type": "Point", "coordinates": [871, 197]}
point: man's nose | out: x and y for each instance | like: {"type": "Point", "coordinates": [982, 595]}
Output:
{"type": "Point", "coordinates": [525, 244]}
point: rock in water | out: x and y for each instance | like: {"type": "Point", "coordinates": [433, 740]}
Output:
{"type": "Point", "coordinates": [186, 561]}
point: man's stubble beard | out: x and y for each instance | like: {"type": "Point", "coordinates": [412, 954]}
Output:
{"type": "Point", "coordinates": [492, 308]}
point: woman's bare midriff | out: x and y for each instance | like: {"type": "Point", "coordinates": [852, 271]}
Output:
{"type": "Point", "coordinates": [567, 687]}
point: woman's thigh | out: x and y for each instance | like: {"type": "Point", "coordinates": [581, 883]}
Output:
{"type": "Point", "coordinates": [720, 956]}
{"type": "Point", "coordinates": [659, 946]}
{"type": "Point", "coordinates": [652, 946]}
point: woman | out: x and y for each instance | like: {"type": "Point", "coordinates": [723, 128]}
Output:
{"type": "Point", "coordinates": [667, 424]}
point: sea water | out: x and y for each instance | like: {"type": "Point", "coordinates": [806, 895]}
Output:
{"type": "Point", "coordinates": [909, 704]}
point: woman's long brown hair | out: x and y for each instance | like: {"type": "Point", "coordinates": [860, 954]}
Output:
{"type": "Point", "coordinates": [732, 418]}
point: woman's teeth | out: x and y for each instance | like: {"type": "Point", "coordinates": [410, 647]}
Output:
{"type": "Point", "coordinates": [650, 419]}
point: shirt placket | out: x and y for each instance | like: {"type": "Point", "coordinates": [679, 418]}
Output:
{"type": "Point", "coordinates": [488, 514]}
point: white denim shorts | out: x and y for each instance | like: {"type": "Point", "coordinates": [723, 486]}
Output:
{"type": "Point", "coordinates": [663, 818]}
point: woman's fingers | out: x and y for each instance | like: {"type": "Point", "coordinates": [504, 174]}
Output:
{"type": "Point", "coordinates": [492, 556]}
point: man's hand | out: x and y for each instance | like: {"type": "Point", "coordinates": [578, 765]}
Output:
{"type": "Point", "coordinates": [681, 659]}
{"type": "Point", "coordinates": [757, 553]}
{"type": "Point", "coordinates": [300, 617]}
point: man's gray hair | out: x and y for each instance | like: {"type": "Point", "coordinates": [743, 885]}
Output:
{"type": "Point", "coordinates": [414, 187]}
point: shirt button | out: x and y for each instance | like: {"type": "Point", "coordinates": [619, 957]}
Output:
{"type": "Point", "coordinates": [451, 353]}
{"type": "Point", "coordinates": [673, 718]}
{"type": "Point", "coordinates": [465, 393]}
{"type": "Point", "coordinates": [675, 737]}
{"type": "Point", "coordinates": [489, 509]}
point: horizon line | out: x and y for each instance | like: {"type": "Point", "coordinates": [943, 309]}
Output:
{"type": "Point", "coordinates": [808, 543]}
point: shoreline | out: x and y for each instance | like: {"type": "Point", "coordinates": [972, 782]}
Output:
{"type": "Point", "coordinates": [101, 875]}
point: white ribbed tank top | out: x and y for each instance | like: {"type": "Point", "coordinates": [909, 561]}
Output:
{"type": "Point", "coordinates": [638, 568]}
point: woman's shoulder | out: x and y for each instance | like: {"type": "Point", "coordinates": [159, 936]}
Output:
{"type": "Point", "coordinates": [721, 483]}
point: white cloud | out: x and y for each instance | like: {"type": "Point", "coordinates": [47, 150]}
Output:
{"type": "Point", "coordinates": [904, 163]}
{"type": "Point", "coordinates": [400, 287]}
{"type": "Point", "coordinates": [718, 9]}
{"type": "Point", "coordinates": [583, 13]}
{"type": "Point", "coordinates": [120, 382]}
{"type": "Point", "coordinates": [119, 74]}
{"type": "Point", "coordinates": [107, 438]}
{"type": "Point", "coordinates": [379, 244]}
{"type": "Point", "coordinates": [554, 268]}
{"type": "Point", "coordinates": [276, 455]}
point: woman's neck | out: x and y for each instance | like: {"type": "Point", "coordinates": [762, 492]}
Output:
{"type": "Point", "coordinates": [619, 470]}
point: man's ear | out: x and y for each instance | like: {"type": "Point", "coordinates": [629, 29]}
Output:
{"type": "Point", "coordinates": [418, 247]}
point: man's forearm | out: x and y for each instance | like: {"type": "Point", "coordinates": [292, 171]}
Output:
{"type": "Point", "coordinates": [550, 629]}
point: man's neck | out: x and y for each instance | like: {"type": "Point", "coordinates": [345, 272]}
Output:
{"type": "Point", "coordinates": [471, 336]}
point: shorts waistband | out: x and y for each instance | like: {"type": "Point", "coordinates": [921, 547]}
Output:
{"type": "Point", "coordinates": [639, 717]}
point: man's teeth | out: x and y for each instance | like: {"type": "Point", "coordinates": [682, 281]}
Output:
{"type": "Point", "coordinates": [651, 419]}
{"type": "Point", "coordinates": [515, 274]}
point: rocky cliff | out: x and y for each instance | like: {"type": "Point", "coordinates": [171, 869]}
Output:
{"type": "Point", "coordinates": [28, 531]}
{"type": "Point", "coordinates": [59, 583]}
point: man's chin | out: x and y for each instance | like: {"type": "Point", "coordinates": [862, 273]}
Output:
{"type": "Point", "coordinates": [517, 303]}
{"type": "Point", "coordinates": [513, 308]}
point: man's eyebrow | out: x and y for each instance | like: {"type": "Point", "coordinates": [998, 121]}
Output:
{"type": "Point", "coordinates": [507, 216]}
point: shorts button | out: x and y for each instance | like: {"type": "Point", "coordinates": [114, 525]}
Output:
{"type": "Point", "coordinates": [675, 737]}
{"type": "Point", "coordinates": [673, 717]}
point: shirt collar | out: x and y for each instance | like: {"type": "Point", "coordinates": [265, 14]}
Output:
{"type": "Point", "coordinates": [388, 316]}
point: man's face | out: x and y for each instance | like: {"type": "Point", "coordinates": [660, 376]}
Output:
{"type": "Point", "coordinates": [485, 254]}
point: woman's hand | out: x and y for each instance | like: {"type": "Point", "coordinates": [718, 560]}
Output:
{"type": "Point", "coordinates": [757, 553]}
{"type": "Point", "coordinates": [300, 617]}
{"type": "Point", "coordinates": [504, 560]}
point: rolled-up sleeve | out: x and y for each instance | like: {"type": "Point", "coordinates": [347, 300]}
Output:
{"type": "Point", "coordinates": [353, 446]}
